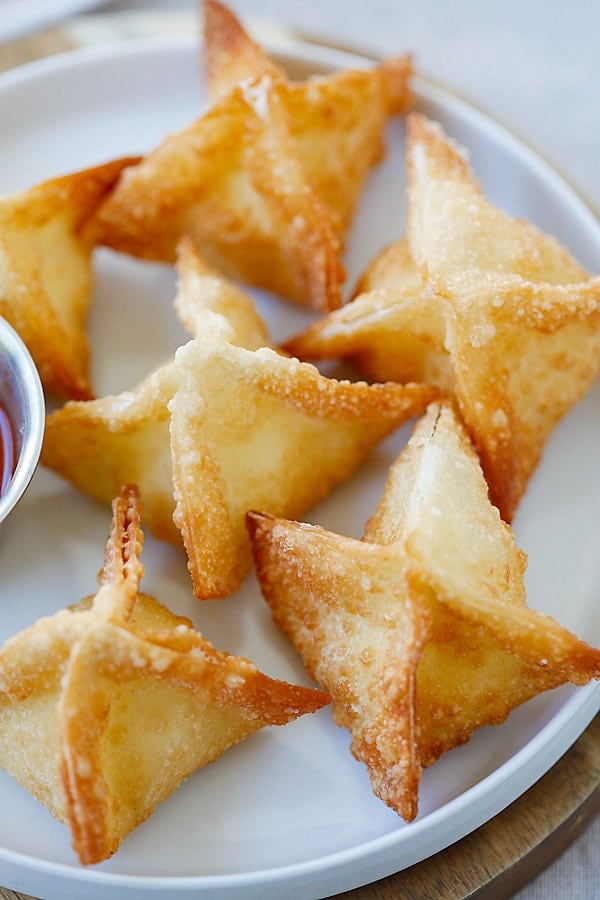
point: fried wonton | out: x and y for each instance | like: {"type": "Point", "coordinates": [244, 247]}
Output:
{"type": "Point", "coordinates": [478, 302]}
{"type": "Point", "coordinates": [45, 272]}
{"type": "Point", "coordinates": [222, 429]}
{"type": "Point", "coordinates": [337, 121]}
{"type": "Point", "coordinates": [232, 181]}
{"type": "Point", "coordinates": [420, 630]}
{"type": "Point", "coordinates": [106, 707]}
{"type": "Point", "coordinates": [255, 429]}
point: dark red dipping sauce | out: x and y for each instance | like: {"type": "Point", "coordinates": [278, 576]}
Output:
{"type": "Point", "coordinates": [7, 450]}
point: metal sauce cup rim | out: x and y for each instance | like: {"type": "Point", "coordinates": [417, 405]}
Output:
{"type": "Point", "coordinates": [22, 396]}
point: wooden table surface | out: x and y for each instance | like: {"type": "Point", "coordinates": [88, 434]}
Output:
{"type": "Point", "coordinates": [507, 852]}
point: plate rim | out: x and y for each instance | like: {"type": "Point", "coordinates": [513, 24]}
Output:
{"type": "Point", "coordinates": [582, 704]}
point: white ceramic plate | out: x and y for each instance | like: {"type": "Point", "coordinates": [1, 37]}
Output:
{"type": "Point", "coordinates": [288, 813]}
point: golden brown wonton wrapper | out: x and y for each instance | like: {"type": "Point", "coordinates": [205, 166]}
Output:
{"type": "Point", "coordinates": [337, 121]}
{"type": "Point", "coordinates": [105, 708]}
{"type": "Point", "coordinates": [267, 179]}
{"type": "Point", "coordinates": [208, 303]}
{"type": "Point", "coordinates": [420, 630]}
{"type": "Point", "coordinates": [476, 302]}
{"type": "Point", "coordinates": [223, 429]}
{"type": "Point", "coordinates": [45, 271]}
{"type": "Point", "coordinates": [232, 181]}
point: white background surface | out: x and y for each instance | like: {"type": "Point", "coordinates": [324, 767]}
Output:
{"type": "Point", "coordinates": [18, 17]}
{"type": "Point", "coordinates": [533, 64]}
